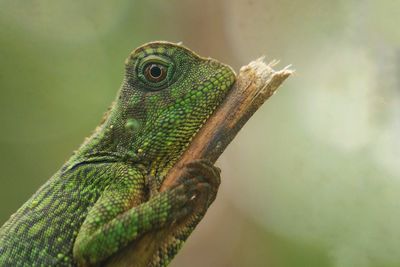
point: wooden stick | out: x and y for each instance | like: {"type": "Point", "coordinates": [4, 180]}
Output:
{"type": "Point", "coordinates": [254, 84]}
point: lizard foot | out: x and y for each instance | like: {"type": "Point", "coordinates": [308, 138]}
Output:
{"type": "Point", "coordinates": [196, 188]}
{"type": "Point", "coordinates": [208, 180]}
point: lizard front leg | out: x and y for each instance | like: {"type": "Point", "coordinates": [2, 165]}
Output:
{"type": "Point", "coordinates": [118, 218]}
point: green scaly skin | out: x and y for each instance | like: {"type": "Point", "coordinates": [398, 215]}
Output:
{"type": "Point", "coordinates": [106, 196]}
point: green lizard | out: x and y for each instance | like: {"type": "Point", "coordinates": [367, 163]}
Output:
{"type": "Point", "coordinates": [106, 197]}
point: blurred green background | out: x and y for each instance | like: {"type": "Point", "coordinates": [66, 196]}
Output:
{"type": "Point", "coordinates": [311, 180]}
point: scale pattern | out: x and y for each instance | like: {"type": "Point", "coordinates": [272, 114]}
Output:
{"type": "Point", "coordinates": [105, 198]}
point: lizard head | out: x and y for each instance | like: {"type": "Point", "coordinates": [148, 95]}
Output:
{"type": "Point", "coordinates": [167, 95]}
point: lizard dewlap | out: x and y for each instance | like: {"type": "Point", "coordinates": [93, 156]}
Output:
{"type": "Point", "coordinates": [98, 207]}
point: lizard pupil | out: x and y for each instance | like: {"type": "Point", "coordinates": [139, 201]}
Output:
{"type": "Point", "coordinates": [155, 72]}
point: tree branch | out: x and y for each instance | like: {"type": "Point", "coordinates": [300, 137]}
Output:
{"type": "Point", "coordinates": [255, 83]}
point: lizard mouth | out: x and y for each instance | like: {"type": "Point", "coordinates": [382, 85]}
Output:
{"type": "Point", "coordinates": [214, 89]}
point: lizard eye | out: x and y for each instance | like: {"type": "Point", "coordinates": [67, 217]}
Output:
{"type": "Point", "coordinates": [155, 72]}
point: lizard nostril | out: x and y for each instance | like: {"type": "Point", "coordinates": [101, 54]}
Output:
{"type": "Point", "coordinates": [213, 63]}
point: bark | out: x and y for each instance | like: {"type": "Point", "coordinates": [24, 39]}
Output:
{"type": "Point", "coordinates": [254, 84]}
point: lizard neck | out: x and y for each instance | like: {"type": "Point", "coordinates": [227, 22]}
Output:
{"type": "Point", "coordinates": [115, 136]}
{"type": "Point", "coordinates": [127, 134]}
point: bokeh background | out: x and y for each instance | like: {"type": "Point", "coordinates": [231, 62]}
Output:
{"type": "Point", "coordinates": [313, 179]}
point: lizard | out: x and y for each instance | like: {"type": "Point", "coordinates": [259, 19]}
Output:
{"type": "Point", "coordinates": [106, 197]}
